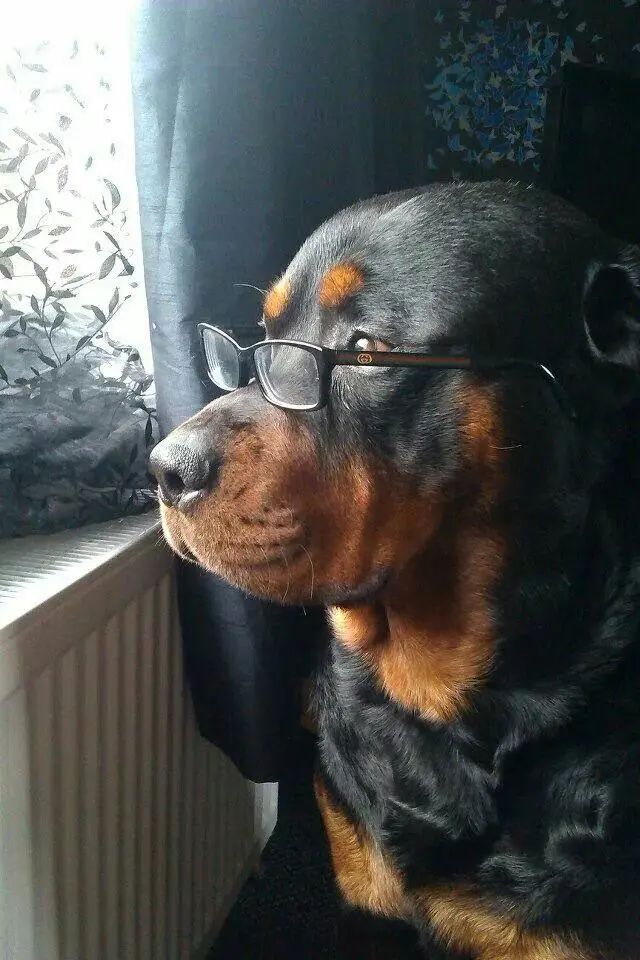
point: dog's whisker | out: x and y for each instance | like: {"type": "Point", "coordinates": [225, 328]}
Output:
{"type": "Point", "coordinates": [266, 560]}
{"type": "Point", "coordinates": [312, 569]}
{"type": "Point", "coordinates": [292, 515]}
{"type": "Point", "coordinates": [284, 557]}
{"type": "Point", "coordinates": [252, 286]}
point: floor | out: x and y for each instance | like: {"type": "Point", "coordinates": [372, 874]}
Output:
{"type": "Point", "coordinates": [291, 909]}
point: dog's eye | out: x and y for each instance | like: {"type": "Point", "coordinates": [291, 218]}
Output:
{"type": "Point", "coordinates": [360, 341]}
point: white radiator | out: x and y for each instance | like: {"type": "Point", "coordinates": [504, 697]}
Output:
{"type": "Point", "coordinates": [123, 834]}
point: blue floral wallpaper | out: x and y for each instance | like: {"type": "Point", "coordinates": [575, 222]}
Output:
{"type": "Point", "coordinates": [487, 69]}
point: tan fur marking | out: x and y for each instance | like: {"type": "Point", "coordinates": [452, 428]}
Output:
{"type": "Point", "coordinates": [429, 637]}
{"type": "Point", "coordinates": [480, 427]}
{"type": "Point", "coordinates": [277, 298]}
{"type": "Point", "coordinates": [426, 657]}
{"type": "Point", "coordinates": [365, 876]}
{"type": "Point", "coordinates": [435, 658]}
{"type": "Point", "coordinates": [361, 627]}
{"type": "Point", "coordinates": [482, 436]}
{"type": "Point", "coordinates": [339, 283]}
{"type": "Point", "coordinates": [463, 922]}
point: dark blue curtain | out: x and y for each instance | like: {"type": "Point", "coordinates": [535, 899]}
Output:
{"type": "Point", "coordinates": [254, 122]}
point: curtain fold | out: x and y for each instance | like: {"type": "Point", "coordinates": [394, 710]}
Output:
{"type": "Point", "coordinates": [254, 122]}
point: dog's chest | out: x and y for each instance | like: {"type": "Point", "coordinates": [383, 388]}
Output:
{"type": "Point", "coordinates": [409, 784]}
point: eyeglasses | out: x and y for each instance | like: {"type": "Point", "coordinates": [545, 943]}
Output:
{"type": "Point", "coordinates": [297, 376]}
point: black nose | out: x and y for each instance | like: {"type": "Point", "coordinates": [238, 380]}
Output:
{"type": "Point", "coordinates": [181, 469]}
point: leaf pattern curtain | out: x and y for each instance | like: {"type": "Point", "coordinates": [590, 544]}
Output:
{"type": "Point", "coordinates": [76, 388]}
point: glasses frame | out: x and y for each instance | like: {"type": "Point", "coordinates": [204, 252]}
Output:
{"type": "Point", "coordinates": [327, 359]}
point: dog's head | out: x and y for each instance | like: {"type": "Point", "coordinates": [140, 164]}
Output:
{"type": "Point", "coordinates": [331, 505]}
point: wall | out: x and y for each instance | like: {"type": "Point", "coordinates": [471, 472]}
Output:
{"type": "Point", "coordinates": [486, 69]}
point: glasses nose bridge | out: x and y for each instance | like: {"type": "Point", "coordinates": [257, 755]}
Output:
{"type": "Point", "coordinates": [246, 359]}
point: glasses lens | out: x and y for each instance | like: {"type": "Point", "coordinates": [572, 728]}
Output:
{"type": "Point", "coordinates": [222, 359]}
{"type": "Point", "coordinates": [289, 375]}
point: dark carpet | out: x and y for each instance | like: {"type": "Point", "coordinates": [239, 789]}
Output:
{"type": "Point", "coordinates": [291, 909]}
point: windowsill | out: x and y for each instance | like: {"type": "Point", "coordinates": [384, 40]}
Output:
{"type": "Point", "coordinates": [39, 573]}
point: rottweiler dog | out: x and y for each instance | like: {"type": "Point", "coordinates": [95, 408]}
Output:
{"type": "Point", "coordinates": [438, 441]}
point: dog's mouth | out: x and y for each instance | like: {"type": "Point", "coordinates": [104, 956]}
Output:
{"type": "Point", "coordinates": [175, 540]}
{"type": "Point", "coordinates": [290, 562]}
{"type": "Point", "coordinates": [273, 561]}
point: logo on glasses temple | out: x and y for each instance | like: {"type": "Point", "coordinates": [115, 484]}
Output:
{"type": "Point", "coordinates": [365, 358]}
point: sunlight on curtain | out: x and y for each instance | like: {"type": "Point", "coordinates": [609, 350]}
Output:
{"type": "Point", "coordinates": [76, 381]}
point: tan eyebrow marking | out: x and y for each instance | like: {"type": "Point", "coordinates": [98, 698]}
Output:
{"type": "Point", "coordinates": [277, 298]}
{"type": "Point", "coordinates": [340, 282]}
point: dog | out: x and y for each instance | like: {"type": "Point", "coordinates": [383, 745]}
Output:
{"type": "Point", "coordinates": [474, 535]}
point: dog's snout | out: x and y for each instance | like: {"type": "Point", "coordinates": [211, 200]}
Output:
{"type": "Point", "coordinates": [182, 469]}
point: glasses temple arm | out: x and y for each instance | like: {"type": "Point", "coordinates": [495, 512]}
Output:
{"type": "Point", "coordinates": [484, 364]}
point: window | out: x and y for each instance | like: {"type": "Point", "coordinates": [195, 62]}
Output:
{"type": "Point", "coordinates": [75, 362]}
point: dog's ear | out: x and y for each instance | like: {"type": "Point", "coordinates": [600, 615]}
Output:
{"type": "Point", "coordinates": [612, 310]}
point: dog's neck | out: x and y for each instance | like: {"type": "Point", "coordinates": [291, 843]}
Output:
{"type": "Point", "coordinates": [429, 636]}
{"type": "Point", "coordinates": [475, 613]}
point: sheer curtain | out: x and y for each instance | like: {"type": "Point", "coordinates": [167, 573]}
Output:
{"type": "Point", "coordinates": [76, 385]}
